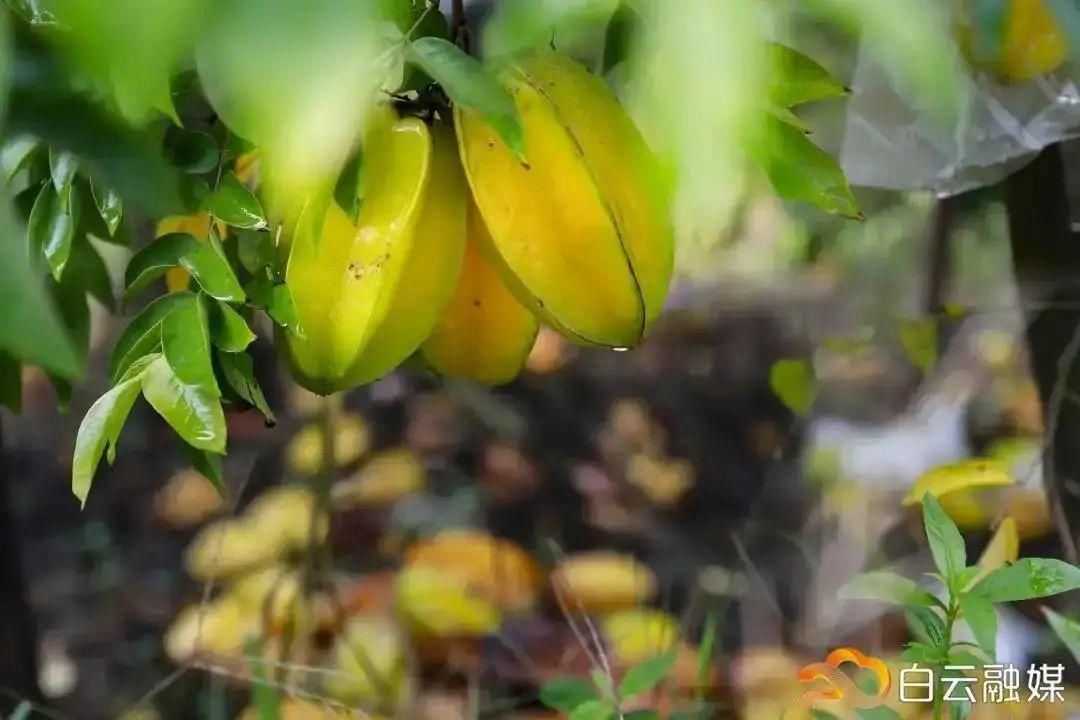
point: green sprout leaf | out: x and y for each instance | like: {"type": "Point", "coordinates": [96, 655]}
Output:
{"type": "Point", "coordinates": [946, 543]}
{"type": "Point", "coordinates": [980, 616]}
{"type": "Point", "coordinates": [100, 429]}
{"type": "Point", "coordinates": [470, 85]}
{"type": "Point", "coordinates": [926, 625]}
{"type": "Point", "coordinates": [593, 710]}
{"type": "Point", "coordinates": [567, 693]}
{"type": "Point", "coordinates": [1068, 631]}
{"type": "Point", "coordinates": [646, 675]}
{"type": "Point", "coordinates": [193, 412]}
{"type": "Point", "coordinates": [793, 381]}
{"type": "Point", "coordinates": [886, 587]}
{"type": "Point", "coordinates": [1028, 578]}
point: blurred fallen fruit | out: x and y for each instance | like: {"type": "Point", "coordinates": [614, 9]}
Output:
{"type": "Point", "coordinates": [602, 582]}
{"type": "Point", "coordinates": [442, 604]}
{"type": "Point", "coordinates": [1032, 43]}
{"type": "Point", "coordinates": [493, 569]}
{"type": "Point", "coordinates": [636, 635]}
{"type": "Point", "coordinates": [283, 514]}
{"type": "Point", "coordinates": [946, 479]}
{"type": "Point", "coordinates": [227, 547]}
{"type": "Point", "coordinates": [305, 450]}
{"type": "Point", "coordinates": [369, 665]}
{"type": "Point", "coordinates": [664, 481]}
{"type": "Point", "coordinates": [386, 478]}
{"type": "Point", "coordinates": [187, 499]}
{"type": "Point", "coordinates": [296, 709]}
{"type": "Point", "coordinates": [549, 353]}
{"type": "Point", "coordinates": [220, 627]}
{"type": "Point", "coordinates": [270, 594]}
{"type": "Point", "coordinates": [631, 429]}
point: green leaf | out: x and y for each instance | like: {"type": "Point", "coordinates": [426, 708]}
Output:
{"type": "Point", "coordinates": [255, 250]}
{"type": "Point", "coordinates": [1068, 631]}
{"type": "Point", "coordinates": [593, 710]}
{"type": "Point", "coordinates": [880, 712]}
{"type": "Point", "coordinates": [100, 428]}
{"type": "Point", "coordinates": [1028, 578]}
{"type": "Point", "coordinates": [142, 336]}
{"type": "Point", "coordinates": [22, 710]}
{"type": "Point", "coordinates": [155, 259]}
{"type": "Point", "coordinates": [918, 652]}
{"type": "Point", "coordinates": [646, 675]}
{"type": "Point", "coordinates": [93, 275]}
{"type": "Point", "coordinates": [192, 151]}
{"type": "Point", "coordinates": [233, 204]}
{"type": "Point", "coordinates": [798, 78]}
{"type": "Point", "coordinates": [277, 300]}
{"type": "Point", "coordinates": [16, 153]}
{"type": "Point", "coordinates": [793, 381]}
{"type": "Point", "coordinates": [887, 587]}
{"type": "Point", "coordinates": [980, 616]}
{"type": "Point", "coordinates": [228, 329]}
{"type": "Point", "coordinates": [265, 697]}
{"type": "Point", "coordinates": [62, 167]}
{"type": "Point", "coordinates": [239, 372]}
{"type": "Point", "coordinates": [211, 269]}
{"type": "Point", "coordinates": [185, 341]}
{"type": "Point", "coordinates": [193, 412]}
{"type": "Point", "coordinates": [109, 206]}
{"type": "Point", "coordinates": [802, 172]}
{"type": "Point", "coordinates": [136, 368]}
{"type": "Point", "coordinates": [919, 339]}
{"type": "Point", "coordinates": [207, 464]}
{"type": "Point", "coordinates": [51, 228]}
{"type": "Point", "coordinates": [470, 85]}
{"type": "Point", "coordinates": [926, 625]}
{"type": "Point", "coordinates": [10, 382]}
{"type": "Point", "coordinates": [946, 543]}
{"type": "Point", "coordinates": [566, 693]}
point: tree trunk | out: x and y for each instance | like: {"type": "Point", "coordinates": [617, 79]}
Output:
{"type": "Point", "coordinates": [1046, 262]}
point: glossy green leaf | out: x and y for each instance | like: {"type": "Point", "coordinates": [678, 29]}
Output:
{"type": "Point", "coordinates": [100, 428]}
{"type": "Point", "coordinates": [239, 372]}
{"type": "Point", "coordinates": [228, 329]}
{"type": "Point", "coordinates": [277, 300]}
{"type": "Point", "coordinates": [1067, 630]}
{"type": "Point", "coordinates": [233, 204]}
{"type": "Point", "coordinates": [155, 259]}
{"type": "Point", "coordinates": [255, 250]}
{"type": "Point", "coordinates": [646, 675]}
{"type": "Point", "coordinates": [470, 85]}
{"type": "Point", "coordinates": [566, 693]}
{"type": "Point", "coordinates": [16, 153]}
{"type": "Point", "coordinates": [185, 342]}
{"type": "Point", "coordinates": [62, 168]}
{"type": "Point", "coordinates": [980, 616]}
{"type": "Point", "coordinates": [886, 587]}
{"type": "Point", "coordinates": [191, 151]}
{"type": "Point", "coordinates": [109, 206]}
{"type": "Point", "coordinates": [593, 710]}
{"type": "Point", "coordinates": [32, 330]}
{"type": "Point", "coordinates": [946, 543]}
{"type": "Point", "coordinates": [51, 228]}
{"type": "Point", "coordinates": [800, 171]}
{"type": "Point", "coordinates": [793, 381]}
{"type": "Point", "coordinates": [1028, 578]}
{"type": "Point", "coordinates": [10, 382]}
{"type": "Point", "coordinates": [798, 78]}
{"type": "Point", "coordinates": [142, 336]}
{"type": "Point", "coordinates": [211, 270]}
{"type": "Point", "coordinates": [193, 412]}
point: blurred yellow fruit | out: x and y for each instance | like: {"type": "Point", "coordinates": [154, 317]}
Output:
{"type": "Point", "coordinates": [351, 440]}
{"type": "Point", "coordinates": [602, 582]}
{"type": "Point", "coordinates": [945, 479]}
{"type": "Point", "coordinates": [664, 481]}
{"type": "Point", "coordinates": [220, 627]}
{"type": "Point", "coordinates": [579, 228]}
{"type": "Point", "coordinates": [187, 499]}
{"type": "Point", "coordinates": [386, 478]}
{"type": "Point", "coordinates": [1032, 43]}
{"type": "Point", "coordinates": [636, 635]}
{"type": "Point", "coordinates": [269, 594]}
{"type": "Point", "coordinates": [441, 603]}
{"type": "Point", "coordinates": [284, 513]}
{"type": "Point", "coordinates": [496, 570]}
{"type": "Point", "coordinates": [369, 664]}
{"type": "Point", "coordinates": [227, 547]}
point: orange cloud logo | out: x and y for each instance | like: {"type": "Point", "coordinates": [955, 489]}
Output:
{"type": "Point", "coordinates": [840, 685]}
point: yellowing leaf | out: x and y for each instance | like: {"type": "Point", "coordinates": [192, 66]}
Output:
{"type": "Point", "coordinates": [1003, 548]}
{"type": "Point", "coordinates": [794, 383]}
{"type": "Point", "coordinates": [945, 479]}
